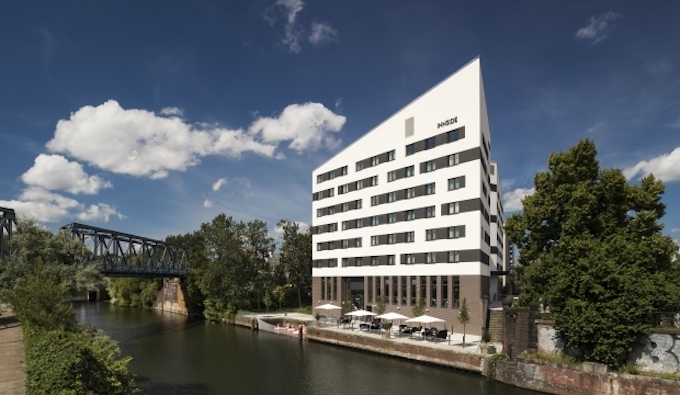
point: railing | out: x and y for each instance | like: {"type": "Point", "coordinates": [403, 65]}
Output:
{"type": "Point", "coordinates": [665, 319]}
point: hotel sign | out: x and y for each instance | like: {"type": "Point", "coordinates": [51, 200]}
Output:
{"type": "Point", "coordinates": [448, 122]}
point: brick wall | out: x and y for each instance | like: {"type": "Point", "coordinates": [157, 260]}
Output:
{"type": "Point", "coordinates": [519, 328]}
{"type": "Point", "coordinates": [496, 325]}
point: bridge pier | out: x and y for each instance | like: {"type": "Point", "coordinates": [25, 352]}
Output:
{"type": "Point", "coordinates": [171, 297]}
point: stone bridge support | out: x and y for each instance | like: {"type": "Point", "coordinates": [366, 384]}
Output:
{"type": "Point", "coordinates": [171, 297]}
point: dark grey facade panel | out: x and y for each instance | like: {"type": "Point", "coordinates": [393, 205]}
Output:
{"type": "Point", "coordinates": [400, 237]}
{"type": "Point", "coordinates": [382, 260]}
{"type": "Point", "coordinates": [401, 173]}
{"type": "Point", "coordinates": [382, 199]}
{"type": "Point", "coordinates": [470, 205]}
{"type": "Point", "coordinates": [442, 233]}
{"type": "Point", "coordinates": [401, 216]}
{"type": "Point", "coordinates": [420, 257]}
{"type": "Point", "coordinates": [420, 212]}
{"type": "Point", "coordinates": [383, 157]}
{"type": "Point", "coordinates": [494, 188]}
{"type": "Point", "coordinates": [462, 181]}
{"type": "Point", "coordinates": [421, 168]}
{"type": "Point", "coordinates": [494, 250]}
{"type": "Point", "coordinates": [441, 139]}
{"type": "Point", "coordinates": [442, 256]}
{"type": "Point", "coordinates": [442, 162]}
{"type": "Point", "coordinates": [470, 255]}
{"type": "Point", "coordinates": [401, 194]}
{"type": "Point", "coordinates": [461, 133]}
{"type": "Point", "coordinates": [420, 190]}
{"type": "Point", "coordinates": [494, 218]}
{"type": "Point", "coordinates": [382, 239]}
{"type": "Point", "coordinates": [420, 145]}
{"type": "Point", "coordinates": [461, 231]}
{"type": "Point", "coordinates": [470, 155]}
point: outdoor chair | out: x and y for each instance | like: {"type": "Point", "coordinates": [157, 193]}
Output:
{"type": "Point", "coordinates": [441, 335]}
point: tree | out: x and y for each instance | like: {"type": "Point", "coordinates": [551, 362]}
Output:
{"type": "Point", "coordinates": [381, 305]}
{"type": "Point", "coordinates": [419, 308]}
{"type": "Point", "coordinates": [592, 251]}
{"type": "Point", "coordinates": [464, 317]}
{"type": "Point", "coordinates": [296, 257]}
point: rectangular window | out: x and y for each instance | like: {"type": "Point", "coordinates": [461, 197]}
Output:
{"type": "Point", "coordinates": [390, 261]}
{"type": "Point", "coordinates": [375, 161]}
{"type": "Point", "coordinates": [359, 261]}
{"type": "Point", "coordinates": [410, 259]}
{"type": "Point", "coordinates": [410, 193]}
{"type": "Point", "coordinates": [431, 165]}
{"type": "Point", "coordinates": [319, 178]}
{"type": "Point", "coordinates": [430, 143]}
{"type": "Point", "coordinates": [454, 159]}
{"type": "Point", "coordinates": [431, 257]}
{"type": "Point", "coordinates": [332, 174]}
{"type": "Point", "coordinates": [410, 215]}
{"type": "Point", "coordinates": [444, 284]}
{"type": "Point", "coordinates": [454, 257]}
{"type": "Point", "coordinates": [378, 281]}
{"type": "Point", "coordinates": [430, 189]}
{"type": "Point", "coordinates": [395, 285]}
{"type": "Point", "coordinates": [345, 243]}
{"type": "Point", "coordinates": [456, 292]}
{"type": "Point", "coordinates": [454, 208]}
{"type": "Point", "coordinates": [391, 218]}
{"type": "Point", "coordinates": [431, 234]}
{"type": "Point", "coordinates": [331, 192]}
{"type": "Point", "coordinates": [331, 210]}
{"type": "Point", "coordinates": [429, 212]}
{"type": "Point", "coordinates": [335, 286]}
{"type": "Point", "coordinates": [391, 176]}
{"type": "Point", "coordinates": [390, 156]}
{"type": "Point", "coordinates": [454, 183]}
{"type": "Point", "coordinates": [360, 165]}
{"type": "Point", "coordinates": [343, 171]}
{"type": "Point", "coordinates": [319, 246]}
{"type": "Point", "coordinates": [410, 171]}
{"type": "Point", "coordinates": [319, 212]}
{"type": "Point", "coordinates": [484, 190]}
{"type": "Point", "coordinates": [360, 184]}
{"type": "Point", "coordinates": [345, 207]}
{"type": "Point", "coordinates": [343, 189]}
{"type": "Point", "coordinates": [358, 202]}
{"type": "Point", "coordinates": [331, 245]}
{"type": "Point", "coordinates": [370, 289]}
{"type": "Point", "coordinates": [374, 261]}
{"type": "Point", "coordinates": [345, 261]}
{"type": "Point", "coordinates": [391, 239]}
{"type": "Point", "coordinates": [387, 289]}
{"type": "Point", "coordinates": [374, 200]}
{"type": "Point", "coordinates": [413, 290]}
{"type": "Point", "coordinates": [493, 170]}
{"type": "Point", "coordinates": [453, 135]}
{"type": "Point", "coordinates": [323, 288]}
{"type": "Point", "coordinates": [423, 288]}
{"type": "Point", "coordinates": [410, 149]}
{"type": "Point", "coordinates": [345, 225]}
{"type": "Point", "coordinates": [360, 223]}
{"type": "Point", "coordinates": [375, 220]}
{"type": "Point", "coordinates": [433, 291]}
{"type": "Point", "coordinates": [410, 237]}
{"type": "Point", "coordinates": [374, 240]}
{"type": "Point", "coordinates": [333, 227]}
{"type": "Point", "coordinates": [403, 290]}
{"type": "Point", "coordinates": [391, 197]}
{"type": "Point", "coordinates": [358, 242]}
{"type": "Point", "coordinates": [454, 232]}
{"type": "Point", "coordinates": [374, 181]}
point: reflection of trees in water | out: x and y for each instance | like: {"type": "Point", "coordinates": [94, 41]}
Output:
{"type": "Point", "coordinates": [152, 388]}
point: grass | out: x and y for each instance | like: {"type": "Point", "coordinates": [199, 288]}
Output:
{"type": "Point", "coordinates": [553, 358]}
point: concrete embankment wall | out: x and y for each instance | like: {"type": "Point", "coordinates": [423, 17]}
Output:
{"type": "Point", "coordinates": [586, 379]}
{"type": "Point", "coordinates": [414, 351]}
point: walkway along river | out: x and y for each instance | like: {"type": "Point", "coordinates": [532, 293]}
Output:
{"type": "Point", "coordinates": [174, 354]}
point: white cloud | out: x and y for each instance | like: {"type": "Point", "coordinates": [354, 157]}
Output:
{"type": "Point", "coordinates": [207, 203]}
{"type": "Point", "coordinates": [218, 184]}
{"type": "Point", "coordinates": [599, 27]}
{"type": "Point", "coordinates": [291, 7]}
{"type": "Point", "coordinates": [322, 32]}
{"type": "Point", "coordinates": [172, 111]}
{"type": "Point", "coordinates": [675, 230]}
{"type": "Point", "coordinates": [141, 143]}
{"type": "Point", "coordinates": [665, 167]}
{"type": "Point", "coordinates": [55, 172]}
{"type": "Point", "coordinates": [512, 201]}
{"type": "Point", "coordinates": [595, 127]}
{"type": "Point", "coordinates": [308, 126]}
{"type": "Point", "coordinates": [99, 213]}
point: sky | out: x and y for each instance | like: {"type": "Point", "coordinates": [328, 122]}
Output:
{"type": "Point", "coordinates": [152, 117]}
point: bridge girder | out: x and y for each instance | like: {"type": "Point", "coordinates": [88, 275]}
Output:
{"type": "Point", "coordinates": [7, 223]}
{"type": "Point", "coordinates": [123, 255]}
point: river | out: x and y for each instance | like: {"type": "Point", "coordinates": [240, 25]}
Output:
{"type": "Point", "coordinates": [173, 355]}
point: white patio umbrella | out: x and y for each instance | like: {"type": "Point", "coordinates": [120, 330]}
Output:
{"type": "Point", "coordinates": [359, 313]}
{"type": "Point", "coordinates": [328, 307]}
{"type": "Point", "coordinates": [425, 319]}
{"type": "Point", "coordinates": [392, 317]}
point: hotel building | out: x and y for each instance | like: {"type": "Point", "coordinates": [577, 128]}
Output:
{"type": "Point", "coordinates": [412, 209]}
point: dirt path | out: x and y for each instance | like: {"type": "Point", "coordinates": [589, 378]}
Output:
{"type": "Point", "coordinates": [12, 375]}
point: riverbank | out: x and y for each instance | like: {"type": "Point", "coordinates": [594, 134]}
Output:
{"type": "Point", "coordinates": [12, 355]}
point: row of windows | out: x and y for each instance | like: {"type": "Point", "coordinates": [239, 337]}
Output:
{"type": "Point", "coordinates": [431, 142]}
{"type": "Point", "coordinates": [452, 232]}
{"type": "Point", "coordinates": [408, 237]}
{"type": "Point", "coordinates": [358, 185]}
{"type": "Point", "coordinates": [331, 174]}
{"type": "Point", "coordinates": [407, 259]}
{"type": "Point", "coordinates": [346, 243]}
{"type": "Point", "coordinates": [408, 172]}
{"type": "Point", "coordinates": [344, 207]}
{"type": "Point", "coordinates": [438, 285]}
{"type": "Point", "coordinates": [376, 160]}
{"type": "Point", "coordinates": [372, 261]}
{"type": "Point", "coordinates": [431, 257]}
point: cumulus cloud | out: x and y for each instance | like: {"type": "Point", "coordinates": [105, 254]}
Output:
{"type": "Point", "coordinates": [99, 213]}
{"type": "Point", "coordinates": [308, 126]}
{"type": "Point", "coordinates": [665, 167]}
{"type": "Point", "coordinates": [599, 27]}
{"type": "Point", "coordinates": [322, 32]}
{"type": "Point", "coordinates": [218, 184]}
{"type": "Point", "coordinates": [512, 201]}
{"type": "Point", "coordinates": [172, 111]}
{"type": "Point", "coordinates": [207, 203]}
{"type": "Point", "coordinates": [140, 143]}
{"type": "Point", "coordinates": [675, 230]}
{"type": "Point", "coordinates": [54, 172]}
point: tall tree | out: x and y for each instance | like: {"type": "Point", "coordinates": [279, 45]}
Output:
{"type": "Point", "coordinates": [591, 249]}
{"type": "Point", "coordinates": [296, 257]}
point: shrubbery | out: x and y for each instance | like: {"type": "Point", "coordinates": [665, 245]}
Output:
{"type": "Point", "coordinates": [135, 292]}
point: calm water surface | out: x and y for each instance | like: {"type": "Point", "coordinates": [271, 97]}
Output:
{"type": "Point", "coordinates": [174, 354]}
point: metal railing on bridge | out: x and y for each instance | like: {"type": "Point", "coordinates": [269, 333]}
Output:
{"type": "Point", "coordinates": [7, 223]}
{"type": "Point", "coordinates": [123, 255]}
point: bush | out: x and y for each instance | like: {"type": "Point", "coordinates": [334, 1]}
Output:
{"type": "Point", "coordinates": [135, 292]}
{"type": "Point", "coordinates": [490, 368]}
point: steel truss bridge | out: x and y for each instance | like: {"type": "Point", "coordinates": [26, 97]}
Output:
{"type": "Point", "coordinates": [7, 222]}
{"type": "Point", "coordinates": [123, 255]}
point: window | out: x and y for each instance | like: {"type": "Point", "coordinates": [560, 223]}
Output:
{"type": "Point", "coordinates": [410, 259]}
{"type": "Point", "coordinates": [360, 165]}
{"type": "Point", "coordinates": [433, 291]}
{"type": "Point", "coordinates": [390, 156]}
{"type": "Point", "coordinates": [360, 184]}
{"type": "Point", "coordinates": [410, 237]}
{"type": "Point", "coordinates": [333, 227]}
{"type": "Point", "coordinates": [375, 161]}
{"type": "Point", "coordinates": [360, 223]}
{"type": "Point", "coordinates": [345, 243]}
{"type": "Point", "coordinates": [410, 149]}
{"type": "Point", "coordinates": [410, 215]}
{"type": "Point", "coordinates": [387, 289]}
{"type": "Point", "coordinates": [484, 190]}
{"type": "Point", "coordinates": [331, 210]}
{"type": "Point", "coordinates": [413, 290]}
{"type": "Point", "coordinates": [331, 192]}
{"type": "Point", "coordinates": [493, 170]}
{"type": "Point", "coordinates": [454, 208]}
{"type": "Point", "coordinates": [335, 279]}
{"type": "Point", "coordinates": [430, 189]}
{"type": "Point", "coordinates": [331, 245]}
{"type": "Point", "coordinates": [319, 178]}
{"type": "Point", "coordinates": [456, 291]}
{"type": "Point", "coordinates": [343, 189]}
{"type": "Point", "coordinates": [391, 176]}
{"type": "Point", "coordinates": [403, 290]}
{"type": "Point", "coordinates": [430, 143]}
{"type": "Point", "coordinates": [410, 171]}
{"type": "Point", "coordinates": [378, 281]}
{"type": "Point", "coordinates": [391, 239]}
{"type": "Point", "coordinates": [370, 288]}
{"type": "Point", "coordinates": [391, 197]}
{"type": "Point", "coordinates": [319, 247]}
{"type": "Point", "coordinates": [357, 242]}
{"type": "Point", "coordinates": [345, 225]}
{"type": "Point", "coordinates": [454, 183]}
{"type": "Point", "coordinates": [374, 262]}
{"type": "Point", "coordinates": [431, 257]}
{"type": "Point", "coordinates": [345, 261]}
{"type": "Point", "coordinates": [391, 218]}
{"type": "Point", "coordinates": [323, 288]}
{"type": "Point", "coordinates": [319, 212]}
{"type": "Point", "coordinates": [453, 135]}
{"type": "Point", "coordinates": [454, 159]}
{"type": "Point", "coordinates": [332, 174]}
{"type": "Point", "coordinates": [444, 284]}
{"type": "Point", "coordinates": [431, 165]}
{"type": "Point", "coordinates": [390, 261]}
{"type": "Point", "coordinates": [423, 287]}
{"type": "Point", "coordinates": [359, 261]}
{"type": "Point", "coordinates": [429, 212]}
{"type": "Point", "coordinates": [343, 171]}
{"type": "Point", "coordinates": [345, 207]}
{"type": "Point", "coordinates": [395, 284]}
{"type": "Point", "coordinates": [454, 232]}
{"type": "Point", "coordinates": [374, 181]}
{"type": "Point", "coordinates": [375, 220]}
{"type": "Point", "coordinates": [374, 240]}
{"type": "Point", "coordinates": [454, 256]}
{"type": "Point", "coordinates": [431, 234]}
{"type": "Point", "coordinates": [358, 204]}
{"type": "Point", "coordinates": [374, 200]}
{"type": "Point", "coordinates": [410, 193]}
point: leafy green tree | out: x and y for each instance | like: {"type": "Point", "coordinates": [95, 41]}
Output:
{"type": "Point", "coordinates": [296, 257]}
{"type": "Point", "coordinates": [591, 249]}
{"type": "Point", "coordinates": [381, 305]}
{"type": "Point", "coordinates": [464, 316]}
{"type": "Point", "coordinates": [136, 292]}
{"type": "Point", "coordinates": [419, 308]}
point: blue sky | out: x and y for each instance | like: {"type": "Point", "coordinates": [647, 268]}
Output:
{"type": "Point", "coordinates": [151, 117]}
